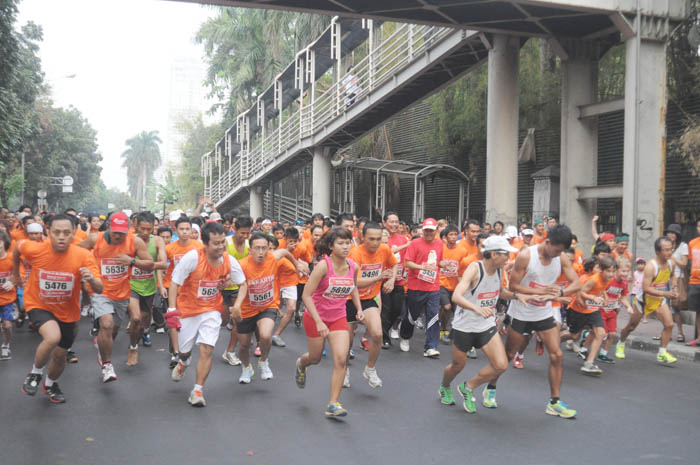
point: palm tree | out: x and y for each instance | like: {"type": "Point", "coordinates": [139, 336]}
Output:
{"type": "Point", "coordinates": [141, 159]}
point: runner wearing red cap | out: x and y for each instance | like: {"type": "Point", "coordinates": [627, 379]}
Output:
{"type": "Point", "coordinates": [116, 251]}
{"type": "Point", "coordinates": [423, 257]}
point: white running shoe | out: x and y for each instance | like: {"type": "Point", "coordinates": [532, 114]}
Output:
{"type": "Point", "coordinates": [264, 367]}
{"type": "Point", "coordinates": [277, 341]}
{"type": "Point", "coordinates": [179, 371]}
{"type": "Point", "coordinates": [394, 333]}
{"type": "Point", "coordinates": [346, 381]}
{"type": "Point", "coordinates": [246, 374]}
{"type": "Point", "coordinates": [108, 373]}
{"type": "Point", "coordinates": [372, 378]}
{"type": "Point", "coordinates": [431, 353]}
{"type": "Point", "coordinates": [404, 345]}
{"type": "Point", "coordinates": [196, 398]}
{"type": "Point", "coordinates": [231, 358]}
{"type": "Point", "coordinates": [419, 323]}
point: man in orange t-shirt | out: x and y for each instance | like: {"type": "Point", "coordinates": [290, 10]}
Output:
{"type": "Point", "coordinates": [174, 253]}
{"type": "Point", "coordinates": [258, 301]}
{"type": "Point", "coordinates": [452, 256]}
{"type": "Point", "coordinates": [540, 232]}
{"type": "Point", "coordinates": [8, 295]}
{"type": "Point", "coordinates": [289, 282]}
{"type": "Point", "coordinates": [376, 267]}
{"type": "Point", "coordinates": [195, 303]}
{"type": "Point", "coordinates": [585, 310]}
{"type": "Point", "coordinates": [52, 297]}
{"type": "Point", "coordinates": [116, 251]}
{"type": "Point", "coordinates": [694, 285]}
{"type": "Point", "coordinates": [470, 230]}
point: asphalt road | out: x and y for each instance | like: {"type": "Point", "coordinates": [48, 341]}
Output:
{"type": "Point", "coordinates": [638, 412]}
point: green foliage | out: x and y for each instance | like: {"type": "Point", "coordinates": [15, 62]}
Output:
{"type": "Point", "coordinates": [20, 84]}
{"type": "Point", "coordinates": [66, 145]}
{"type": "Point", "coordinates": [246, 48]}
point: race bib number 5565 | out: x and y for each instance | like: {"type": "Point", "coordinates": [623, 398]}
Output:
{"type": "Point", "coordinates": [207, 290]}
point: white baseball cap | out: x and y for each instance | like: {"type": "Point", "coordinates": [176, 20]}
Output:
{"type": "Point", "coordinates": [528, 232]}
{"type": "Point", "coordinates": [511, 232]}
{"type": "Point", "coordinates": [497, 243]}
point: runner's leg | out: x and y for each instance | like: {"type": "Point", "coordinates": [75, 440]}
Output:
{"type": "Point", "coordinates": [498, 363]}
{"type": "Point", "coordinates": [340, 345]}
{"type": "Point", "coordinates": [551, 340]}
{"type": "Point", "coordinates": [459, 359]}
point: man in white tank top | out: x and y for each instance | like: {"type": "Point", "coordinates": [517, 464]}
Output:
{"type": "Point", "coordinates": [474, 324]}
{"type": "Point", "coordinates": [535, 272]}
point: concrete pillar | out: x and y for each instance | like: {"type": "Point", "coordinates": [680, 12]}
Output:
{"type": "Point", "coordinates": [256, 202]}
{"type": "Point", "coordinates": [644, 176]}
{"type": "Point", "coordinates": [579, 141]}
{"type": "Point", "coordinates": [502, 130]}
{"type": "Point", "coordinates": [322, 181]}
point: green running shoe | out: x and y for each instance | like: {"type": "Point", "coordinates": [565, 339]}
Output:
{"type": "Point", "coordinates": [489, 398]}
{"type": "Point", "coordinates": [666, 357]}
{"type": "Point", "coordinates": [446, 396]}
{"type": "Point", "coordinates": [560, 409]}
{"type": "Point", "coordinates": [620, 351]}
{"type": "Point", "coordinates": [468, 396]}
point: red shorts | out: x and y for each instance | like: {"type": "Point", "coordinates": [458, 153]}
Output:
{"type": "Point", "coordinates": [341, 324]}
{"type": "Point", "coordinates": [609, 321]}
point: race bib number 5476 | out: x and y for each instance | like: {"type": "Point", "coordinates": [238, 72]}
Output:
{"type": "Point", "coordinates": [55, 286]}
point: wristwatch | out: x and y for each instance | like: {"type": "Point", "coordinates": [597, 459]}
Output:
{"type": "Point", "coordinates": [133, 261]}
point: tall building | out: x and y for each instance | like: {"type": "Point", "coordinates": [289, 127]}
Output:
{"type": "Point", "coordinates": [187, 99]}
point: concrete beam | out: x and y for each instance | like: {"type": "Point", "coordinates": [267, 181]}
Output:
{"type": "Point", "coordinates": [612, 191]}
{"type": "Point", "coordinates": [644, 174]}
{"type": "Point", "coordinates": [503, 102]}
{"type": "Point", "coordinates": [322, 181]}
{"type": "Point", "coordinates": [256, 202]}
{"type": "Point", "coordinates": [602, 108]}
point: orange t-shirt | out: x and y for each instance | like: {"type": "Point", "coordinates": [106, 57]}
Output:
{"type": "Point", "coordinates": [598, 290]}
{"type": "Point", "coordinates": [578, 268]}
{"type": "Point", "coordinates": [263, 285]}
{"type": "Point", "coordinates": [54, 283]}
{"type": "Point", "coordinates": [282, 243]}
{"type": "Point", "coordinates": [472, 249]}
{"type": "Point", "coordinates": [114, 277]}
{"type": "Point", "coordinates": [694, 257]}
{"type": "Point", "coordinates": [175, 251]}
{"type": "Point", "coordinates": [288, 274]}
{"type": "Point", "coordinates": [449, 275]}
{"type": "Point", "coordinates": [371, 265]}
{"type": "Point", "coordinates": [539, 239]}
{"type": "Point", "coordinates": [465, 262]}
{"type": "Point", "coordinates": [578, 256]}
{"type": "Point", "coordinates": [304, 251]}
{"type": "Point", "coordinates": [628, 255]}
{"type": "Point", "coordinates": [6, 297]}
{"type": "Point", "coordinates": [517, 243]}
{"type": "Point", "coordinates": [19, 235]}
{"type": "Point", "coordinates": [199, 292]}
{"type": "Point", "coordinates": [80, 235]}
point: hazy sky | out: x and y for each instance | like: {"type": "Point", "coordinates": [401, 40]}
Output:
{"type": "Point", "coordinates": [121, 52]}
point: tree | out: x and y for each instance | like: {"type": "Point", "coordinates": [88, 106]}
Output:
{"type": "Point", "coordinates": [20, 83]}
{"type": "Point", "coordinates": [65, 145]}
{"type": "Point", "coordinates": [141, 160]}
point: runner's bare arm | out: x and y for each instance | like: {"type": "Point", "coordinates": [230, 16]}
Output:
{"type": "Point", "coordinates": [236, 309]}
{"type": "Point", "coordinates": [300, 265]}
{"type": "Point", "coordinates": [388, 285]}
{"type": "Point", "coordinates": [172, 295]}
{"type": "Point", "coordinates": [518, 273]}
{"type": "Point", "coordinates": [647, 288]}
{"type": "Point", "coordinates": [144, 260]}
{"type": "Point", "coordinates": [16, 278]}
{"type": "Point", "coordinates": [584, 293]}
{"type": "Point", "coordinates": [89, 242]}
{"type": "Point", "coordinates": [320, 270]}
{"type": "Point", "coordinates": [466, 283]}
{"type": "Point", "coordinates": [568, 269]}
{"type": "Point", "coordinates": [162, 263]}
{"type": "Point", "coordinates": [594, 228]}
{"type": "Point", "coordinates": [94, 283]}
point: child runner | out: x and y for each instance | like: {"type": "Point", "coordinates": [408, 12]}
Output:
{"type": "Point", "coordinates": [618, 295]}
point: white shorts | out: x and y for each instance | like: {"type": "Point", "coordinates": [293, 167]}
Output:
{"type": "Point", "coordinates": [557, 314]}
{"type": "Point", "coordinates": [289, 292]}
{"type": "Point", "coordinates": [200, 329]}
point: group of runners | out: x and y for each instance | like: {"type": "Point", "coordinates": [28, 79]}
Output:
{"type": "Point", "coordinates": [465, 286]}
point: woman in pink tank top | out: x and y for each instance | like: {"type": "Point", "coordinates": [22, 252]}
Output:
{"type": "Point", "coordinates": [332, 281]}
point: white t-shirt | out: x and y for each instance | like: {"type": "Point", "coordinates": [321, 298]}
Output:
{"type": "Point", "coordinates": [188, 263]}
{"type": "Point", "coordinates": [681, 250]}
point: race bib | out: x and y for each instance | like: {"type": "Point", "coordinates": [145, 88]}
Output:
{"type": "Point", "coordinates": [429, 276]}
{"type": "Point", "coordinates": [55, 286]}
{"type": "Point", "coordinates": [137, 274]}
{"type": "Point", "coordinates": [534, 303]}
{"type": "Point", "coordinates": [261, 292]}
{"type": "Point", "coordinates": [4, 277]}
{"type": "Point", "coordinates": [207, 290]}
{"type": "Point", "coordinates": [111, 271]}
{"type": "Point", "coordinates": [370, 271]}
{"type": "Point", "coordinates": [399, 267]}
{"type": "Point", "coordinates": [592, 305]}
{"type": "Point", "coordinates": [339, 288]}
{"type": "Point", "coordinates": [450, 269]}
{"type": "Point", "coordinates": [487, 299]}
{"type": "Point", "coordinates": [659, 285]}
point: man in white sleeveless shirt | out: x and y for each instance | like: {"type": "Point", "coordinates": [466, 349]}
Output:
{"type": "Point", "coordinates": [474, 323]}
{"type": "Point", "coordinates": [535, 272]}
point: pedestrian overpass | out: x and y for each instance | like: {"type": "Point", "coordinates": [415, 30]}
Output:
{"type": "Point", "coordinates": [435, 42]}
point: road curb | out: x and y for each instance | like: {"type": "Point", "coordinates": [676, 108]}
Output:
{"type": "Point", "coordinates": [682, 352]}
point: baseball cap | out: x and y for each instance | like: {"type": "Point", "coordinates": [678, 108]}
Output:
{"type": "Point", "coordinates": [528, 232]}
{"type": "Point", "coordinates": [34, 228]}
{"type": "Point", "coordinates": [266, 221]}
{"type": "Point", "coordinates": [641, 260]}
{"type": "Point", "coordinates": [22, 215]}
{"type": "Point", "coordinates": [430, 223]}
{"type": "Point", "coordinates": [497, 243]}
{"type": "Point", "coordinates": [511, 232]}
{"type": "Point", "coordinates": [119, 222]}
{"type": "Point", "coordinates": [215, 216]}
